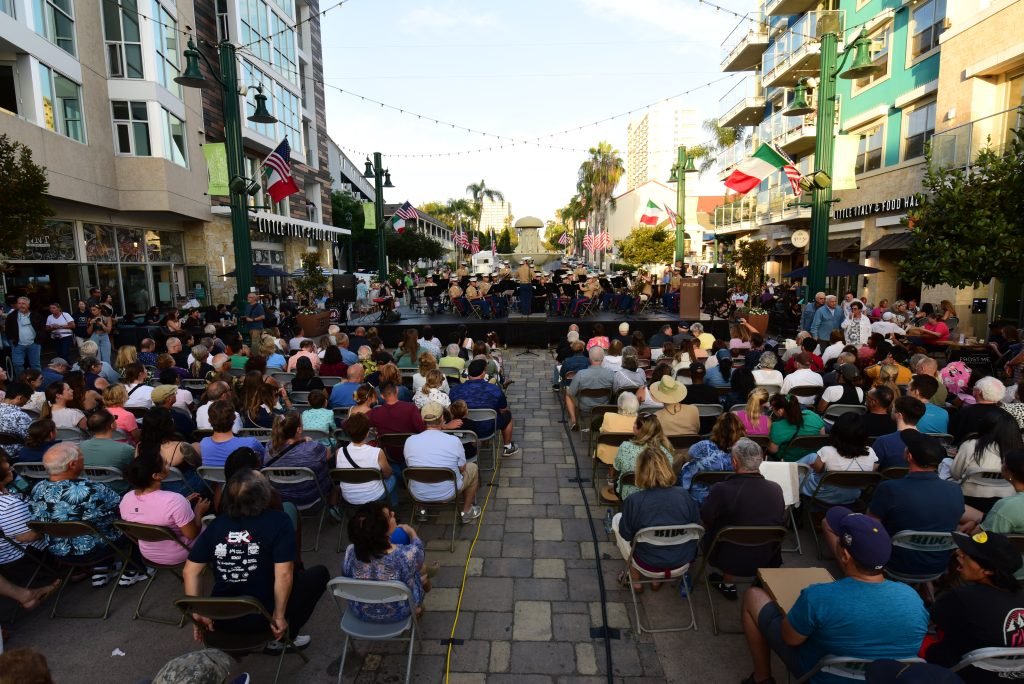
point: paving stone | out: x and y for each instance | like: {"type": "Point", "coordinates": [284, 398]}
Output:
{"type": "Point", "coordinates": [617, 615]}
{"type": "Point", "coordinates": [518, 525]}
{"type": "Point", "coordinates": [545, 498]}
{"type": "Point", "coordinates": [555, 549]}
{"type": "Point", "coordinates": [570, 627]}
{"type": "Point", "coordinates": [519, 679]}
{"type": "Point", "coordinates": [541, 590]}
{"type": "Point", "coordinates": [586, 662]}
{"type": "Point", "coordinates": [532, 622]}
{"type": "Point", "coordinates": [517, 545]}
{"type": "Point", "coordinates": [547, 658]}
{"type": "Point", "coordinates": [441, 599]}
{"type": "Point", "coordinates": [515, 492]}
{"type": "Point", "coordinates": [570, 607]}
{"type": "Point", "coordinates": [487, 593]}
{"type": "Point", "coordinates": [492, 626]}
{"type": "Point", "coordinates": [547, 529]}
{"type": "Point", "coordinates": [466, 677]}
{"type": "Point", "coordinates": [501, 652]}
{"type": "Point", "coordinates": [508, 567]}
{"type": "Point", "coordinates": [471, 656]}
{"type": "Point", "coordinates": [549, 568]}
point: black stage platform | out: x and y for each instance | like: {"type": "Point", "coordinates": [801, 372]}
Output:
{"type": "Point", "coordinates": [534, 331]}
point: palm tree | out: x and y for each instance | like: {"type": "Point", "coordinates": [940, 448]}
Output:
{"type": "Point", "coordinates": [479, 192]}
{"type": "Point", "coordinates": [597, 179]}
{"type": "Point", "coordinates": [722, 138]}
{"type": "Point", "coordinates": [571, 215]}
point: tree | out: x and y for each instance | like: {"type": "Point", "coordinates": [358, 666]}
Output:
{"type": "Point", "coordinates": [648, 245]}
{"type": "Point", "coordinates": [347, 212]}
{"type": "Point", "coordinates": [313, 282]}
{"type": "Point", "coordinates": [23, 204]}
{"type": "Point", "coordinates": [747, 270]}
{"type": "Point", "coordinates": [596, 183]}
{"type": "Point", "coordinates": [410, 246]}
{"type": "Point", "coordinates": [505, 242]}
{"type": "Point", "coordinates": [480, 192]}
{"type": "Point", "coordinates": [552, 232]}
{"type": "Point", "coordinates": [722, 137]}
{"type": "Point", "coordinates": [968, 227]}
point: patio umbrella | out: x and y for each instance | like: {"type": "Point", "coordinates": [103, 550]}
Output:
{"type": "Point", "coordinates": [261, 271]}
{"type": "Point", "coordinates": [835, 267]}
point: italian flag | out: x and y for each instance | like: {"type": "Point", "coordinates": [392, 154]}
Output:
{"type": "Point", "coordinates": [750, 172]}
{"type": "Point", "coordinates": [652, 214]}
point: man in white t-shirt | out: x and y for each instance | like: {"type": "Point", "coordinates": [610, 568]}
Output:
{"type": "Point", "coordinates": [216, 390]}
{"type": "Point", "coordinates": [888, 325]}
{"type": "Point", "coordinates": [61, 327]}
{"type": "Point", "coordinates": [140, 395]}
{"type": "Point", "coordinates": [803, 376]}
{"type": "Point", "coordinates": [434, 448]}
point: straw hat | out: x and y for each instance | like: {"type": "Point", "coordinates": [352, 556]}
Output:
{"type": "Point", "coordinates": [668, 390]}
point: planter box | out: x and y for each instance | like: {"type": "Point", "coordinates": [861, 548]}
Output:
{"type": "Point", "coordinates": [759, 321]}
{"type": "Point", "coordinates": [314, 325]}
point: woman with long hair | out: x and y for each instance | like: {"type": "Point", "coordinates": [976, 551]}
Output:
{"type": "Point", "coordinates": [639, 342]}
{"type": "Point", "coordinates": [42, 434]}
{"type": "Point", "coordinates": [847, 451]}
{"type": "Point", "coordinates": [306, 379]}
{"type": "Point", "coordinates": [92, 368]}
{"type": "Point", "coordinates": [752, 416]}
{"type": "Point", "coordinates": [289, 448]}
{"type": "Point", "coordinates": [59, 396]}
{"type": "Point", "coordinates": [711, 454]}
{"type": "Point", "coordinates": [998, 434]}
{"type": "Point", "coordinates": [332, 365]}
{"type": "Point", "coordinates": [629, 376]}
{"type": "Point", "coordinates": [388, 372]}
{"type": "Point", "coordinates": [200, 366]}
{"type": "Point", "coordinates": [126, 354]}
{"type": "Point", "coordinates": [408, 352]}
{"type": "Point", "coordinates": [741, 384]}
{"type": "Point", "coordinates": [598, 339]}
{"type": "Point", "coordinates": [432, 390]}
{"type": "Point", "coordinates": [790, 419]}
{"type": "Point", "coordinates": [33, 377]}
{"type": "Point", "coordinates": [114, 398]}
{"type": "Point", "coordinates": [99, 327]}
{"type": "Point", "coordinates": [719, 374]}
{"type": "Point", "coordinates": [158, 435]}
{"type": "Point", "coordinates": [263, 404]}
{"type": "Point", "coordinates": [684, 355]}
{"type": "Point", "coordinates": [647, 433]}
{"type": "Point", "coordinates": [83, 398]}
{"type": "Point", "coordinates": [166, 361]}
{"type": "Point", "coordinates": [172, 322]}
{"type": "Point", "coordinates": [365, 397]}
{"type": "Point", "coordinates": [427, 364]}
{"type": "Point", "coordinates": [739, 337]}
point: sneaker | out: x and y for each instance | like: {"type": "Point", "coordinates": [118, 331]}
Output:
{"type": "Point", "coordinates": [241, 679]}
{"type": "Point", "coordinates": [686, 585]}
{"type": "Point", "coordinates": [472, 514]}
{"type": "Point", "coordinates": [275, 646]}
{"type": "Point", "coordinates": [554, 388]}
{"type": "Point", "coordinates": [336, 513]}
{"type": "Point", "coordinates": [102, 574]}
{"type": "Point", "coordinates": [421, 515]}
{"type": "Point", "coordinates": [511, 450]}
{"type": "Point", "coordinates": [131, 578]}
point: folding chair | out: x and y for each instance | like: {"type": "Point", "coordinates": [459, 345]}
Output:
{"type": "Point", "coordinates": [153, 533]}
{"type": "Point", "coordinates": [1008, 661]}
{"type": "Point", "coordinates": [262, 435]}
{"type": "Point", "coordinates": [196, 386]}
{"type": "Point", "coordinates": [681, 443]}
{"type": "Point", "coordinates": [846, 479]}
{"type": "Point", "coordinates": [283, 378]}
{"type": "Point", "coordinates": [39, 563]}
{"type": "Point", "coordinates": [103, 474]}
{"type": "Point", "coordinates": [773, 389]}
{"type": "Point", "coordinates": [213, 474]}
{"type": "Point", "coordinates": [711, 477]}
{"type": "Point", "coordinates": [748, 536]}
{"type": "Point", "coordinates": [199, 435]}
{"type": "Point", "coordinates": [597, 419]}
{"type": "Point", "coordinates": [137, 411]}
{"type": "Point", "coordinates": [833, 411]}
{"type": "Point", "coordinates": [665, 535]}
{"type": "Point", "coordinates": [236, 372]}
{"type": "Point", "coordinates": [319, 436]}
{"type": "Point", "coordinates": [847, 668]}
{"type": "Point", "coordinates": [301, 398]}
{"type": "Point", "coordinates": [73, 435]}
{"type": "Point", "coordinates": [789, 477]}
{"type": "Point", "coordinates": [485, 415]}
{"type": "Point", "coordinates": [340, 414]}
{"type": "Point", "coordinates": [287, 475]}
{"type": "Point", "coordinates": [422, 475]}
{"type": "Point", "coordinates": [809, 442]}
{"type": "Point", "coordinates": [895, 473]}
{"type": "Point", "coordinates": [354, 476]}
{"type": "Point", "coordinates": [452, 375]}
{"type": "Point", "coordinates": [393, 444]}
{"type": "Point", "coordinates": [236, 643]}
{"type": "Point", "coordinates": [804, 391]}
{"type": "Point", "coordinates": [761, 440]}
{"type": "Point", "coordinates": [77, 528]}
{"type": "Point", "coordinates": [925, 542]}
{"type": "Point", "coordinates": [611, 439]}
{"type": "Point", "coordinates": [330, 381]}
{"type": "Point", "coordinates": [583, 417]}
{"type": "Point", "coordinates": [992, 482]}
{"type": "Point", "coordinates": [709, 410]}
{"type": "Point", "coordinates": [32, 470]}
{"type": "Point", "coordinates": [373, 591]}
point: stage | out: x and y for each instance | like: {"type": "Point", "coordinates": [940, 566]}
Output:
{"type": "Point", "coordinates": [534, 331]}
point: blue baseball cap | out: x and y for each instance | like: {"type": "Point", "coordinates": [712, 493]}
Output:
{"type": "Point", "coordinates": [863, 536]}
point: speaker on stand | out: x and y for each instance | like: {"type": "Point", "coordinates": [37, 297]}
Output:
{"type": "Point", "coordinates": [716, 290]}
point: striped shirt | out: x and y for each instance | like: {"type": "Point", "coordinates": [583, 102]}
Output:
{"type": "Point", "coordinates": [14, 514]}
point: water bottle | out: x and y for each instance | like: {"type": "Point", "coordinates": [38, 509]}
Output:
{"type": "Point", "coordinates": [608, 522]}
{"type": "Point", "coordinates": [961, 338]}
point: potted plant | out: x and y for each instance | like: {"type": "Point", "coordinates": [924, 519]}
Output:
{"type": "Point", "coordinates": [312, 286]}
{"type": "Point", "coordinates": [748, 277]}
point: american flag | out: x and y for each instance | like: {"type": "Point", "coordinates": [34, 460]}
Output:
{"type": "Point", "coordinates": [278, 168]}
{"type": "Point", "coordinates": [564, 240]}
{"type": "Point", "coordinates": [588, 242]}
{"type": "Point", "coordinates": [672, 216]}
{"type": "Point", "coordinates": [476, 244]}
{"type": "Point", "coordinates": [793, 175]}
{"type": "Point", "coordinates": [461, 240]}
{"type": "Point", "coordinates": [407, 211]}
{"type": "Point", "coordinates": [602, 241]}
{"type": "Point", "coordinates": [494, 242]}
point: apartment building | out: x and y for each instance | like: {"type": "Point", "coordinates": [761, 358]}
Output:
{"type": "Point", "coordinates": [653, 138]}
{"type": "Point", "coordinates": [495, 215]}
{"type": "Point", "coordinates": [88, 86]}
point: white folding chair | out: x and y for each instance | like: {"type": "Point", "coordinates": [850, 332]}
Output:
{"type": "Point", "coordinates": [1009, 661]}
{"type": "Point", "coordinates": [664, 535]}
{"type": "Point", "coordinates": [482, 415]}
{"type": "Point", "coordinates": [789, 476]}
{"type": "Point", "coordinates": [992, 482]}
{"type": "Point", "coordinates": [73, 435]}
{"type": "Point", "coordinates": [32, 470]}
{"type": "Point", "coordinates": [847, 668]}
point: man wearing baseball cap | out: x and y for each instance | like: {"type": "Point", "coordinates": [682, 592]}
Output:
{"type": "Point", "coordinates": [862, 615]}
{"type": "Point", "coordinates": [987, 610]}
{"type": "Point", "coordinates": [434, 448]}
{"type": "Point", "coordinates": [919, 501]}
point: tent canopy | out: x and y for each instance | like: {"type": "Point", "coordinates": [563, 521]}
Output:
{"type": "Point", "coordinates": [835, 267]}
{"type": "Point", "coordinates": [261, 271]}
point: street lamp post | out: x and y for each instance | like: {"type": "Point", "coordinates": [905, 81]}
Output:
{"type": "Point", "coordinates": [381, 179]}
{"type": "Point", "coordinates": [820, 182]}
{"type": "Point", "coordinates": [683, 166]}
{"type": "Point", "coordinates": [239, 186]}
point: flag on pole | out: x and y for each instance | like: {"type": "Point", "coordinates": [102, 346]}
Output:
{"type": "Point", "coordinates": [398, 223]}
{"type": "Point", "coordinates": [604, 240]}
{"type": "Point", "coordinates": [494, 243]}
{"type": "Point", "coordinates": [672, 216]}
{"type": "Point", "coordinates": [476, 244]}
{"type": "Point", "coordinates": [652, 214]}
{"type": "Point", "coordinates": [588, 241]}
{"type": "Point", "coordinates": [564, 239]}
{"type": "Point", "coordinates": [749, 173]}
{"type": "Point", "coordinates": [792, 173]}
{"type": "Point", "coordinates": [406, 211]}
{"type": "Point", "coordinates": [463, 240]}
{"type": "Point", "coordinates": [369, 216]}
{"type": "Point", "coordinates": [217, 166]}
{"type": "Point", "coordinates": [278, 169]}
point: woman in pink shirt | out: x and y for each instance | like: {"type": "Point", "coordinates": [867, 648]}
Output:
{"type": "Point", "coordinates": [939, 330]}
{"type": "Point", "coordinates": [755, 422]}
{"type": "Point", "coordinates": [114, 398]}
{"type": "Point", "coordinates": [146, 503]}
{"type": "Point", "coordinates": [598, 339]}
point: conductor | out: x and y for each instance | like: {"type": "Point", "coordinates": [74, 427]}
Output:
{"type": "Point", "coordinates": [524, 276]}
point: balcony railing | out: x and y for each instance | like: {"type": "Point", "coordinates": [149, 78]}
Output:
{"type": "Point", "coordinates": [742, 48]}
{"type": "Point", "coordinates": [959, 147]}
{"type": "Point", "coordinates": [736, 216]}
{"type": "Point", "coordinates": [734, 154]}
{"type": "Point", "coordinates": [743, 105]}
{"type": "Point", "coordinates": [794, 54]}
{"type": "Point", "coordinates": [783, 7]}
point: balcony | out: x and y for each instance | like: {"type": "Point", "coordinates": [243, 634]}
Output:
{"type": "Point", "coordinates": [743, 105]}
{"type": "Point", "coordinates": [798, 135]}
{"type": "Point", "coordinates": [959, 147]}
{"type": "Point", "coordinates": [742, 48]}
{"type": "Point", "coordinates": [737, 216]}
{"type": "Point", "coordinates": [778, 205]}
{"type": "Point", "coordinates": [793, 55]}
{"type": "Point", "coordinates": [784, 7]}
{"type": "Point", "coordinates": [734, 154]}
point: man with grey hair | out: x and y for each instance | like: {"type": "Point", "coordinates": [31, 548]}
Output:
{"type": "Point", "coordinates": [826, 319]}
{"type": "Point", "coordinates": [745, 498]}
{"type": "Point", "coordinates": [68, 497]}
{"type": "Point", "coordinates": [180, 356]}
{"type": "Point", "coordinates": [594, 377]}
{"type": "Point", "coordinates": [25, 330]}
{"type": "Point", "coordinates": [564, 351]}
{"type": "Point", "coordinates": [214, 392]}
{"type": "Point", "coordinates": [811, 308]}
{"type": "Point", "coordinates": [706, 339]}
{"type": "Point", "coordinates": [765, 374]}
{"type": "Point", "coordinates": [922, 364]}
{"type": "Point", "coordinates": [90, 348]}
{"type": "Point", "coordinates": [988, 393]}
{"type": "Point", "coordinates": [451, 358]}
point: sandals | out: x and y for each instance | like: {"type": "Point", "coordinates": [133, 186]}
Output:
{"type": "Point", "coordinates": [624, 581]}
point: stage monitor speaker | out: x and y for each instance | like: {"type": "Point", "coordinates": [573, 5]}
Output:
{"type": "Point", "coordinates": [393, 317]}
{"type": "Point", "coordinates": [345, 287]}
{"type": "Point", "coordinates": [715, 286]}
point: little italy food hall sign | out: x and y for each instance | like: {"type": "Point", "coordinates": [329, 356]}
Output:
{"type": "Point", "coordinates": [896, 204]}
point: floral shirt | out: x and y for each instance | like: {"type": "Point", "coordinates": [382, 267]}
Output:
{"type": "Point", "coordinates": [319, 419]}
{"type": "Point", "coordinates": [401, 564]}
{"type": "Point", "coordinates": [435, 394]}
{"type": "Point", "coordinates": [704, 455]}
{"type": "Point", "coordinates": [14, 421]}
{"type": "Point", "coordinates": [76, 500]}
{"type": "Point", "coordinates": [625, 462]}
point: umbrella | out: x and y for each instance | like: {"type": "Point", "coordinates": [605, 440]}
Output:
{"type": "Point", "coordinates": [261, 271]}
{"type": "Point", "coordinates": [835, 267]}
{"type": "Point", "coordinates": [301, 272]}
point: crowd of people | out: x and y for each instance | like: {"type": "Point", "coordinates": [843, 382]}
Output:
{"type": "Point", "coordinates": [841, 397]}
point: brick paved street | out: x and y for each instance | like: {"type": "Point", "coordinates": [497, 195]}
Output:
{"type": "Point", "coordinates": [531, 594]}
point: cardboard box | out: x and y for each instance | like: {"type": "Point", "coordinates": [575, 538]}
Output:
{"type": "Point", "coordinates": [785, 584]}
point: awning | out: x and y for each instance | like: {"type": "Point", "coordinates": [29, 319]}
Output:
{"type": "Point", "coordinates": [842, 244]}
{"type": "Point", "coordinates": [896, 241]}
{"type": "Point", "coordinates": [782, 250]}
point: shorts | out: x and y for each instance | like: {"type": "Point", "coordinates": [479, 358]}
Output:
{"type": "Point", "coordinates": [469, 477]}
{"type": "Point", "coordinates": [769, 622]}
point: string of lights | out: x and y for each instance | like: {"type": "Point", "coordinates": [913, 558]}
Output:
{"type": "Point", "coordinates": [295, 26]}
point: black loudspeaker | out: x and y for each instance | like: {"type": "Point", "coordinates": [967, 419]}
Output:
{"type": "Point", "coordinates": [715, 287]}
{"type": "Point", "coordinates": [393, 316]}
{"type": "Point", "coordinates": [345, 287]}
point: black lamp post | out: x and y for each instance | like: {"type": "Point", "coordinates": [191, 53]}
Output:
{"type": "Point", "coordinates": [381, 179]}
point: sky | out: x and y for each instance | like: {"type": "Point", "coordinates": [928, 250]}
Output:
{"type": "Point", "coordinates": [515, 68]}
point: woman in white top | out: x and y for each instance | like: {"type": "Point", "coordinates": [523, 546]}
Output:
{"type": "Point", "coordinates": [427, 363]}
{"type": "Point", "coordinates": [613, 357]}
{"type": "Point", "coordinates": [848, 451]}
{"type": "Point", "coordinates": [433, 389]}
{"type": "Point", "coordinates": [766, 373]}
{"type": "Point", "coordinates": [998, 434]}
{"type": "Point", "coordinates": [359, 454]}
{"type": "Point", "coordinates": [58, 396]}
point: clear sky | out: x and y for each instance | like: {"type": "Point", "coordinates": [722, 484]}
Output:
{"type": "Point", "coordinates": [518, 68]}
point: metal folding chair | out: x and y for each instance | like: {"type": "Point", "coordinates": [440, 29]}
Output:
{"type": "Point", "coordinates": [665, 535]}
{"type": "Point", "coordinates": [287, 475]}
{"type": "Point", "coordinates": [354, 476]}
{"type": "Point", "coordinates": [924, 542]}
{"type": "Point", "coordinates": [611, 439]}
{"type": "Point", "coordinates": [845, 479]}
{"type": "Point", "coordinates": [833, 411]}
{"type": "Point", "coordinates": [847, 668]}
{"type": "Point", "coordinates": [1009, 661]}
{"type": "Point", "coordinates": [330, 381]}
{"type": "Point", "coordinates": [485, 415]}
{"type": "Point", "coordinates": [32, 470]}
{"type": "Point", "coordinates": [262, 435]}
{"type": "Point", "coordinates": [422, 475]}
{"type": "Point", "coordinates": [991, 481]}
{"type": "Point", "coordinates": [73, 435]}
{"type": "Point", "coordinates": [153, 533]}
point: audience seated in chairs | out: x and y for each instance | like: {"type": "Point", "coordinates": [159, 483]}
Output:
{"type": "Point", "coordinates": [647, 434]}
{"type": "Point", "coordinates": [712, 454]}
{"type": "Point", "coordinates": [789, 421]}
{"type": "Point", "coordinates": [289, 448]}
{"type": "Point", "coordinates": [434, 448]}
{"type": "Point", "coordinates": [478, 393]}
{"type": "Point", "coordinates": [216, 448]}
{"type": "Point", "coordinates": [359, 454]}
{"type": "Point", "coordinates": [1007, 515]}
{"type": "Point", "coordinates": [997, 435]}
{"type": "Point", "coordinates": [848, 451]}
{"type": "Point", "coordinates": [675, 417]}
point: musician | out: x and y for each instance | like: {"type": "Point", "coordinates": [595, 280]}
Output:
{"type": "Point", "coordinates": [432, 293]}
{"type": "Point", "coordinates": [590, 289]}
{"type": "Point", "coordinates": [462, 272]}
{"type": "Point", "coordinates": [506, 271]}
{"type": "Point", "coordinates": [524, 276]}
{"type": "Point", "coordinates": [475, 297]}
{"type": "Point", "coordinates": [497, 303]}
{"type": "Point", "coordinates": [566, 293]}
{"type": "Point", "coordinates": [459, 302]}
{"type": "Point", "coordinates": [607, 292]}
{"type": "Point", "coordinates": [670, 300]}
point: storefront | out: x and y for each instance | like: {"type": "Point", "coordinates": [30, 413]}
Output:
{"type": "Point", "coordinates": [138, 266]}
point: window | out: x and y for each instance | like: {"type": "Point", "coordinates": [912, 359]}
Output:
{"type": "Point", "coordinates": [928, 21]}
{"type": "Point", "coordinates": [61, 101]}
{"type": "Point", "coordinates": [271, 36]}
{"type": "Point", "coordinates": [223, 22]}
{"type": "Point", "coordinates": [131, 128]}
{"type": "Point", "coordinates": [881, 39]}
{"type": "Point", "coordinates": [289, 118]}
{"type": "Point", "coordinates": [7, 7]}
{"type": "Point", "coordinates": [920, 129]}
{"type": "Point", "coordinates": [254, 27]}
{"type": "Point", "coordinates": [124, 43]}
{"type": "Point", "coordinates": [55, 21]}
{"type": "Point", "coordinates": [869, 152]}
{"type": "Point", "coordinates": [165, 37]}
{"type": "Point", "coordinates": [8, 89]}
{"type": "Point", "coordinates": [175, 147]}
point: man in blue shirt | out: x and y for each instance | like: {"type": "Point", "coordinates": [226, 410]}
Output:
{"type": "Point", "coordinates": [919, 501]}
{"type": "Point", "coordinates": [862, 615]}
{"type": "Point", "coordinates": [577, 361]}
{"type": "Point", "coordinates": [811, 308]}
{"type": "Point", "coordinates": [348, 357]}
{"type": "Point", "coordinates": [826, 319]}
{"type": "Point", "coordinates": [255, 314]}
{"type": "Point", "coordinates": [890, 449]}
{"type": "Point", "coordinates": [342, 393]}
{"type": "Point", "coordinates": [935, 419]}
{"type": "Point", "coordinates": [478, 393]}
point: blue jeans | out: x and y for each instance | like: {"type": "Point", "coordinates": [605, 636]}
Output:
{"type": "Point", "coordinates": [102, 341]}
{"type": "Point", "coordinates": [64, 346]}
{"type": "Point", "coordinates": [25, 356]}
